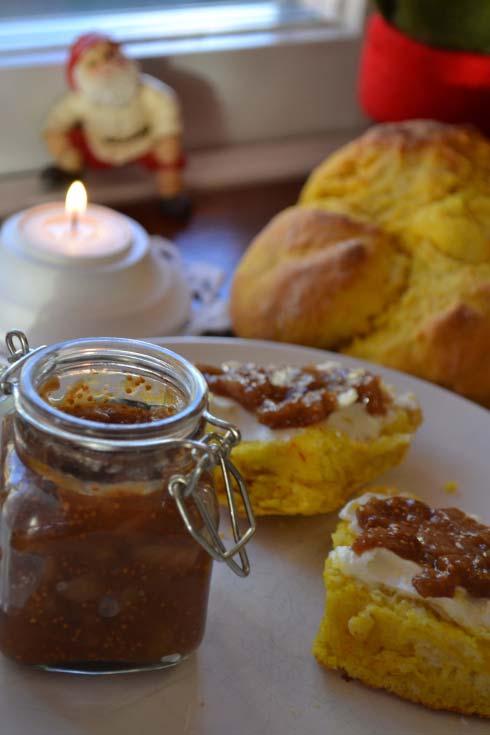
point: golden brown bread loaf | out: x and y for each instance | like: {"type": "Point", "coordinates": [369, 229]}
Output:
{"type": "Point", "coordinates": [421, 180]}
{"type": "Point", "coordinates": [387, 257]}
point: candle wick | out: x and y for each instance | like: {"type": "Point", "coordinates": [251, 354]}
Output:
{"type": "Point", "coordinates": [74, 220]}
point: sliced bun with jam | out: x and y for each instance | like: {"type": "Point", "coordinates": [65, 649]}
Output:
{"type": "Point", "coordinates": [311, 436]}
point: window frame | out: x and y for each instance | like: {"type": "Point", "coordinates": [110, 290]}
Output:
{"type": "Point", "coordinates": [189, 29]}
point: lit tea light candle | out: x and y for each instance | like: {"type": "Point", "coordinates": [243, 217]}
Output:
{"type": "Point", "coordinates": [82, 270]}
{"type": "Point", "coordinates": [76, 205]}
{"type": "Point", "coordinates": [75, 230]}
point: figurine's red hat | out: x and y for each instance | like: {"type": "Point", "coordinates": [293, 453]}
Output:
{"type": "Point", "coordinates": [82, 45]}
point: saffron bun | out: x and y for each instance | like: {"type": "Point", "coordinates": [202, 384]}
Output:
{"type": "Point", "coordinates": [386, 257]}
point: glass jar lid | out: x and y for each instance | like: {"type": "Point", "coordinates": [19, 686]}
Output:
{"type": "Point", "coordinates": [109, 366]}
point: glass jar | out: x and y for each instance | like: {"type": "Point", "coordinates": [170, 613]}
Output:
{"type": "Point", "coordinates": [108, 514]}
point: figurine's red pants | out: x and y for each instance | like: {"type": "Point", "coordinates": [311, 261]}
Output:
{"type": "Point", "coordinates": [149, 161]}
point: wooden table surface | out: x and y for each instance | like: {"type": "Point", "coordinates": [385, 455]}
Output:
{"type": "Point", "coordinates": [223, 223]}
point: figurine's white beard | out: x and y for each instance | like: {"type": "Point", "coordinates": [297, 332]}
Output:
{"type": "Point", "coordinates": [116, 88]}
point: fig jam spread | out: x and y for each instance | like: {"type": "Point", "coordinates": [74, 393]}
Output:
{"type": "Point", "coordinates": [97, 564]}
{"type": "Point", "coordinates": [102, 576]}
{"type": "Point", "coordinates": [294, 397]}
{"type": "Point", "coordinates": [127, 405]}
{"type": "Point", "coordinates": [452, 548]}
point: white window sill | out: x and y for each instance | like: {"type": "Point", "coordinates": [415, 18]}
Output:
{"type": "Point", "coordinates": [163, 48]}
{"type": "Point", "coordinates": [223, 168]}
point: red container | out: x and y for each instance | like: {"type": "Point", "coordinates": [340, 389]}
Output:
{"type": "Point", "coordinates": [401, 79]}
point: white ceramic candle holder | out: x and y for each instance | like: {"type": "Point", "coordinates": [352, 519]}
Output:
{"type": "Point", "coordinates": [51, 289]}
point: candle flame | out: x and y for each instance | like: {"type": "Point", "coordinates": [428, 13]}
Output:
{"type": "Point", "coordinates": [76, 199]}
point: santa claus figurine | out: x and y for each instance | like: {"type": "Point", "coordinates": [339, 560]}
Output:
{"type": "Point", "coordinates": [113, 115]}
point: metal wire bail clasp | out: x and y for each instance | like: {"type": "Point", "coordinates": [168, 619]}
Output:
{"type": "Point", "coordinates": [216, 453]}
{"type": "Point", "coordinates": [18, 351]}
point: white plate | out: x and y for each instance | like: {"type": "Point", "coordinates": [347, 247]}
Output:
{"type": "Point", "coordinates": [254, 674]}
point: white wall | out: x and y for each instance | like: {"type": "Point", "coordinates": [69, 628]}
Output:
{"type": "Point", "coordinates": [228, 97]}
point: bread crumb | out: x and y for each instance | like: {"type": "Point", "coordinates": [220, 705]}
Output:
{"type": "Point", "coordinates": [451, 487]}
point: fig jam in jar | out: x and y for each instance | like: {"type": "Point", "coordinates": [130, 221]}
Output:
{"type": "Point", "coordinates": [108, 514]}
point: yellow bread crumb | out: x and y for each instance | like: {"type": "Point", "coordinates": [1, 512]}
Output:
{"type": "Point", "coordinates": [320, 468]}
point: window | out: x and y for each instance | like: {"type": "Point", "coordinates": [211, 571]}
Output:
{"type": "Point", "coordinates": [49, 27]}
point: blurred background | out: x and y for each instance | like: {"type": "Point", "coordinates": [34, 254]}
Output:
{"type": "Point", "coordinates": [275, 78]}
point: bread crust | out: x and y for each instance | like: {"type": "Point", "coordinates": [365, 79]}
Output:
{"type": "Point", "coordinates": [315, 277]}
